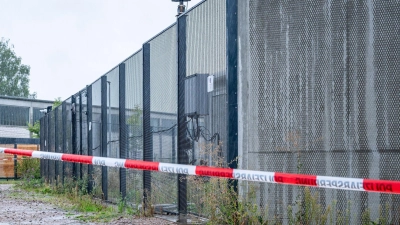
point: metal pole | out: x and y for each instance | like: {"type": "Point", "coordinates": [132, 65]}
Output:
{"type": "Point", "coordinates": [109, 118]}
{"type": "Point", "coordinates": [74, 143]}
{"type": "Point", "coordinates": [123, 131]}
{"type": "Point", "coordinates": [104, 174]}
{"type": "Point", "coordinates": [64, 137]}
{"type": "Point", "coordinates": [15, 162]}
{"type": "Point", "coordinates": [90, 136]}
{"type": "Point", "coordinates": [56, 144]}
{"type": "Point", "coordinates": [80, 135]}
{"type": "Point", "coordinates": [147, 135]}
{"type": "Point", "coordinates": [182, 136]}
{"type": "Point", "coordinates": [232, 61]}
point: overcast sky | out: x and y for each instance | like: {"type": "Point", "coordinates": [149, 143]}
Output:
{"type": "Point", "coordinates": [71, 43]}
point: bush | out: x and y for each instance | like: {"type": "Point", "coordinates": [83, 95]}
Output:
{"type": "Point", "coordinates": [28, 168]}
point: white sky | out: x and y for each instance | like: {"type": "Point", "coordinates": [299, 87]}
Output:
{"type": "Point", "coordinates": [71, 43]}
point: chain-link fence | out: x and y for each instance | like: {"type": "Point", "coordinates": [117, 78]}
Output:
{"type": "Point", "coordinates": [304, 87]}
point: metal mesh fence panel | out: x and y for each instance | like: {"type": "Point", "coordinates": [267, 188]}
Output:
{"type": "Point", "coordinates": [59, 145]}
{"type": "Point", "coordinates": [77, 132]}
{"type": "Point", "coordinates": [46, 147]}
{"type": "Point", "coordinates": [163, 113]}
{"type": "Point", "coordinates": [317, 97]}
{"type": "Point", "coordinates": [134, 111]}
{"type": "Point", "coordinates": [84, 132]}
{"type": "Point", "coordinates": [68, 167]}
{"type": "Point", "coordinates": [113, 132]}
{"type": "Point", "coordinates": [96, 134]}
{"type": "Point", "coordinates": [206, 54]}
{"type": "Point", "coordinates": [51, 142]}
{"type": "Point", "coordinates": [42, 146]}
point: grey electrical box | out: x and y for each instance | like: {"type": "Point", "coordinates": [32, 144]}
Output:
{"type": "Point", "coordinates": [196, 96]}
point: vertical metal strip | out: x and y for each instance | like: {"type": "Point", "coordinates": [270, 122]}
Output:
{"type": "Point", "coordinates": [147, 136]}
{"type": "Point", "coordinates": [48, 146]}
{"type": "Point", "coordinates": [232, 51]}
{"type": "Point", "coordinates": [41, 135]}
{"type": "Point", "coordinates": [104, 135]}
{"type": "Point", "coordinates": [74, 142]}
{"type": "Point", "coordinates": [80, 134]}
{"type": "Point", "coordinates": [123, 144]}
{"type": "Point", "coordinates": [89, 136]}
{"type": "Point", "coordinates": [56, 163]}
{"type": "Point", "coordinates": [173, 160]}
{"type": "Point", "coordinates": [182, 156]}
{"type": "Point", "coordinates": [64, 136]}
{"type": "Point", "coordinates": [45, 169]}
{"type": "Point", "coordinates": [15, 162]}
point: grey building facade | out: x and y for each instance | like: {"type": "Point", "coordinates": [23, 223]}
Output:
{"type": "Point", "coordinates": [16, 113]}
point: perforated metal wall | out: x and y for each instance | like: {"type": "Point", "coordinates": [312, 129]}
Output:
{"type": "Point", "coordinates": [59, 143]}
{"type": "Point", "coordinates": [163, 111]}
{"type": "Point", "coordinates": [318, 95]}
{"type": "Point", "coordinates": [113, 132]}
{"type": "Point", "coordinates": [206, 54]}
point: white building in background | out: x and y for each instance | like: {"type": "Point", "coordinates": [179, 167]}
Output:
{"type": "Point", "coordinates": [16, 113]}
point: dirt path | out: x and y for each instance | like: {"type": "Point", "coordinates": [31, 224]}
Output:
{"type": "Point", "coordinates": [15, 208]}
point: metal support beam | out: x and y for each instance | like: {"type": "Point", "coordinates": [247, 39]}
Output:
{"type": "Point", "coordinates": [147, 135]}
{"type": "Point", "coordinates": [89, 136]}
{"type": "Point", "coordinates": [182, 136]}
{"type": "Point", "coordinates": [41, 134]}
{"type": "Point", "coordinates": [48, 146]}
{"type": "Point", "coordinates": [64, 136]}
{"type": "Point", "coordinates": [123, 132]}
{"type": "Point", "coordinates": [15, 162]}
{"type": "Point", "coordinates": [103, 145]}
{"type": "Point", "coordinates": [232, 60]}
{"type": "Point", "coordinates": [80, 135]}
{"type": "Point", "coordinates": [74, 141]}
{"type": "Point", "coordinates": [56, 163]}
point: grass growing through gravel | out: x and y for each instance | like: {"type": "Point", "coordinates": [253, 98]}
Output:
{"type": "Point", "coordinates": [73, 198]}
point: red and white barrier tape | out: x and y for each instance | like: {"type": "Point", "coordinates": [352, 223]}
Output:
{"type": "Point", "coordinates": [355, 184]}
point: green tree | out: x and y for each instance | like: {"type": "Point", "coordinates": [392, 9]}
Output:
{"type": "Point", "coordinates": [14, 76]}
{"type": "Point", "coordinates": [56, 103]}
{"type": "Point", "coordinates": [34, 129]}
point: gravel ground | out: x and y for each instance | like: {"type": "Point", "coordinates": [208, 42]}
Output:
{"type": "Point", "coordinates": [15, 208]}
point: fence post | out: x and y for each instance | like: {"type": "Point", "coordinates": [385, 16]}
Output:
{"type": "Point", "coordinates": [182, 156]}
{"type": "Point", "coordinates": [74, 144]}
{"type": "Point", "coordinates": [103, 144]}
{"type": "Point", "coordinates": [48, 145]}
{"type": "Point", "coordinates": [41, 134]}
{"type": "Point", "coordinates": [56, 144]}
{"type": "Point", "coordinates": [232, 51]}
{"type": "Point", "coordinates": [89, 136]}
{"type": "Point", "coordinates": [147, 135]}
{"type": "Point", "coordinates": [15, 162]}
{"type": "Point", "coordinates": [64, 136]}
{"type": "Point", "coordinates": [123, 144]}
{"type": "Point", "coordinates": [173, 160]}
{"type": "Point", "coordinates": [80, 134]}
